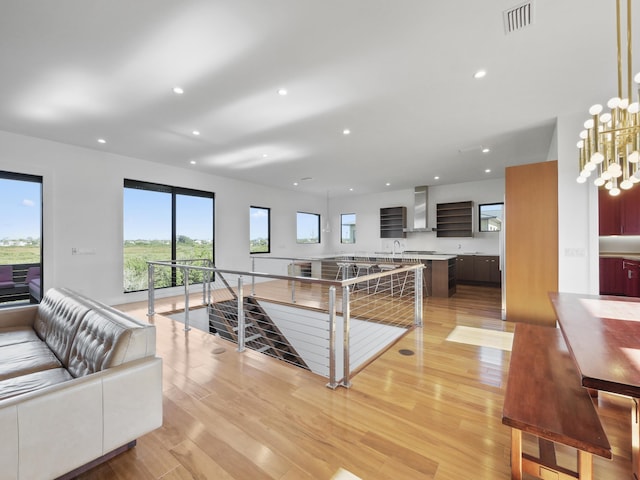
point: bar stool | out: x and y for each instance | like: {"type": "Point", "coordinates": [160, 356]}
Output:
{"type": "Point", "coordinates": [363, 264]}
{"type": "Point", "coordinates": [345, 268]}
{"type": "Point", "coordinates": [389, 266]}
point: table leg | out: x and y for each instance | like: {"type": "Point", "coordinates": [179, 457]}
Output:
{"type": "Point", "coordinates": [516, 454]}
{"type": "Point", "coordinates": [635, 439]}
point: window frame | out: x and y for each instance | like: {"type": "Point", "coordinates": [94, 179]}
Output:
{"type": "Point", "coordinates": [174, 192]}
{"type": "Point", "coordinates": [342, 225]}
{"type": "Point", "coordinates": [38, 179]}
{"type": "Point", "coordinates": [480, 229]}
{"type": "Point", "coordinates": [317, 216]}
{"type": "Point", "coordinates": [268, 210]}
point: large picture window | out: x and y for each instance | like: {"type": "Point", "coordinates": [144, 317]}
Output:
{"type": "Point", "coordinates": [165, 223]}
{"type": "Point", "coordinates": [259, 230]}
{"type": "Point", "coordinates": [308, 227]}
{"type": "Point", "coordinates": [20, 237]}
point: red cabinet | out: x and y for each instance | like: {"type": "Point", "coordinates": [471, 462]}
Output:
{"type": "Point", "coordinates": [630, 211]}
{"type": "Point", "coordinates": [612, 281]}
{"type": "Point", "coordinates": [619, 215]}
{"type": "Point", "coordinates": [631, 272]}
{"type": "Point", "coordinates": [609, 213]}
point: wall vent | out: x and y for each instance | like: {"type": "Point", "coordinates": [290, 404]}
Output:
{"type": "Point", "coordinates": [518, 17]}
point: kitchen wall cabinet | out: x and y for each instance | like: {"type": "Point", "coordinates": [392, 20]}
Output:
{"type": "Point", "coordinates": [619, 215]}
{"type": "Point", "coordinates": [393, 222]}
{"type": "Point", "coordinates": [454, 219]}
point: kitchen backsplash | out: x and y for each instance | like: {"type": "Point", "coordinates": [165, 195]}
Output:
{"type": "Point", "coordinates": [620, 243]}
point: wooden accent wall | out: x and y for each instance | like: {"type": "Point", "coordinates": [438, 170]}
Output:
{"type": "Point", "coordinates": [531, 242]}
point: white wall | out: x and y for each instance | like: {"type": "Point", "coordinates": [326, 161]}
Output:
{"type": "Point", "coordinates": [367, 210]}
{"type": "Point", "coordinates": [83, 194]}
{"type": "Point", "coordinates": [577, 215]}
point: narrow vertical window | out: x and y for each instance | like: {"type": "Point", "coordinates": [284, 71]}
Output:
{"type": "Point", "coordinates": [259, 230]}
{"type": "Point", "coordinates": [308, 227]}
{"type": "Point", "coordinates": [348, 228]}
{"type": "Point", "coordinates": [20, 237]}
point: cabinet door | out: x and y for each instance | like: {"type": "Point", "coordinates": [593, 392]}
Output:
{"type": "Point", "coordinates": [612, 276]}
{"type": "Point", "coordinates": [494, 273]}
{"type": "Point", "coordinates": [482, 268]}
{"type": "Point", "coordinates": [609, 217]}
{"type": "Point", "coordinates": [630, 271]}
{"type": "Point", "coordinates": [464, 268]}
{"type": "Point", "coordinates": [630, 211]}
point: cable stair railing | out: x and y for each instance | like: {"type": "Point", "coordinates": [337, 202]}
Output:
{"type": "Point", "coordinates": [261, 333]}
{"type": "Point", "coordinates": [327, 326]}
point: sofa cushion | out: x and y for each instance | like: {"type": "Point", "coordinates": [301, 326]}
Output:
{"type": "Point", "coordinates": [24, 358]}
{"type": "Point", "coordinates": [11, 387]}
{"type": "Point", "coordinates": [59, 316]}
{"type": "Point", "coordinates": [6, 276]}
{"type": "Point", "coordinates": [101, 342]}
{"type": "Point", "coordinates": [13, 335]}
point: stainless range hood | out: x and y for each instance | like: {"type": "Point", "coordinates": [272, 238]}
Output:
{"type": "Point", "coordinates": [420, 208]}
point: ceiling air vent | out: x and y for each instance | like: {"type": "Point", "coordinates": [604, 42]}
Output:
{"type": "Point", "coordinates": [518, 17]}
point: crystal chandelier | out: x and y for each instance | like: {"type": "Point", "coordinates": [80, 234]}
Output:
{"type": "Point", "coordinates": [609, 143]}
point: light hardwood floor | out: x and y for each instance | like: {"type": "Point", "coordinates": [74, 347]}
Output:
{"type": "Point", "coordinates": [432, 415]}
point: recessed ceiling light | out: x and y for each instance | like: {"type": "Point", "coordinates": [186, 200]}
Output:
{"type": "Point", "coordinates": [295, 184]}
{"type": "Point", "coordinates": [388, 184]}
{"type": "Point", "coordinates": [282, 92]}
{"type": "Point", "coordinates": [486, 150]}
{"type": "Point", "coordinates": [351, 189]}
{"type": "Point", "coordinates": [480, 74]}
{"type": "Point", "coordinates": [192, 162]}
{"type": "Point", "coordinates": [436, 178]}
{"type": "Point", "coordinates": [178, 90]}
{"type": "Point", "coordinates": [346, 131]}
{"type": "Point", "coordinates": [102, 140]}
{"type": "Point", "coordinates": [488, 170]}
{"type": "Point", "coordinates": [265, 155]}
{"type": "Point", "coordinates": [196, 132]}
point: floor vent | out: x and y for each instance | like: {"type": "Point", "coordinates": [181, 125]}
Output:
{"type": "Point", "coordinates": [518, 17]}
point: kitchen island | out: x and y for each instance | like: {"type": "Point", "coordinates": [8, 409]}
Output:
{"type": "Point", "coordinates": [439, 274]}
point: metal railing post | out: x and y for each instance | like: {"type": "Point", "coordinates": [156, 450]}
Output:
{"type": "Point", "coordinates": [240, 316]}
{"type": "Point", "coordinates": [293, 282]}
{"type": "Point", "coordinates": [417, 316]}
{"type": "Point", "coordinates": [150, 290]}
{"type": "Point", "coordinates": [185, 278]}
{"type": "Point", "coordinates": [346, 318]}
{"type": "Point", "coordinates": [253, 277]}
{"type": "Point", "coordinates": [332, 338]}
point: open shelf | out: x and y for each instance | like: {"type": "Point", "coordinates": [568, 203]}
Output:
{"type": "Point", "coordinates": [455, 219]}
{"type": "Point", "coordinates": [393, 221]}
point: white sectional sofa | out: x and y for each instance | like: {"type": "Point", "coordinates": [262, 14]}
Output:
{"type": "Point", "coordinates": [79, 382]}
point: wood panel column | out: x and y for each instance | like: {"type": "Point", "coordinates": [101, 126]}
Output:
{"type": "Point", "coordinates": [531, 242]}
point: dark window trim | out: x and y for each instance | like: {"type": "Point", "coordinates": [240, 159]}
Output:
{"type": "Point", "coordinates": [480, 205]}
{"type": "Point", "coordinates": [26, 177]}
{"type": "Point", "coordinates": [319, 229]}
{"type": "Point", "coordinates": [268, 209]}
{"type": "Point", "coordinates": [342, 224]}
{"type": "Point", "coordinates": [174, 191]}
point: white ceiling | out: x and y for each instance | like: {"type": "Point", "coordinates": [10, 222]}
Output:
{"type": "Point", "coordinates": [397, 73]}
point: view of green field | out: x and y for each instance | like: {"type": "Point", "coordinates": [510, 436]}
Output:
{"type": "Point", "coordinates": [14, 254]}
{"type": "Point", "coordinates": [138, 252]}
